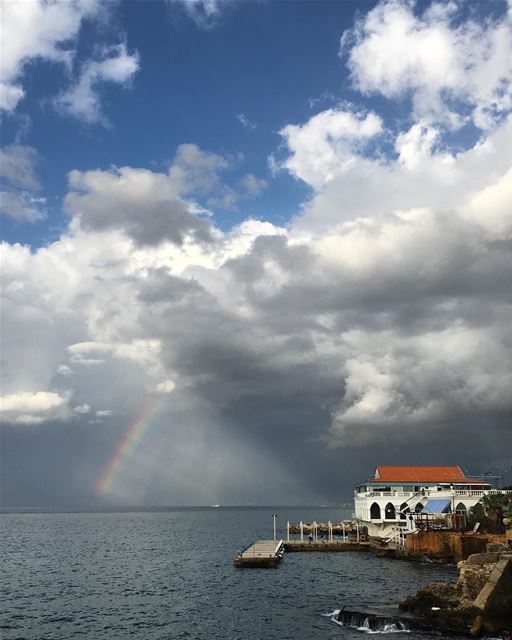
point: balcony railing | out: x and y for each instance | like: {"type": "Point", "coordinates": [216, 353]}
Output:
{"type": "Point", "coordinates": [462, 492]}
{"type": "Point", "coordinates": [430, 494]}
{"type": "Point", "coordinates": [399, 494]}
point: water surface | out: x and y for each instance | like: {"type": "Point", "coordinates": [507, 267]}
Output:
{"type": "Point", "coordinates": [168, 573]}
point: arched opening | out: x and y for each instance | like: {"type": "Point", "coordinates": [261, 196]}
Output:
{"type": "Point", "coordinates": [404, 510]}
{"type": "Point", "coordinates": [375, 512]}
{"type": "Point", "coordinates": [461, 508]}
{"type": "Point", "coordinates": [419, 507]}
{"type": "Point", "coordinates": [390, 511]}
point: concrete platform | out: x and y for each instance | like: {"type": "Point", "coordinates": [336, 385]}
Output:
{"type": "Point", "coordinates": [263, 553]}
{"type": "Point", "coordinates": [298, 546]}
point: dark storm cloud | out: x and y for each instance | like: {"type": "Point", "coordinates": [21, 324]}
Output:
{"type": "Point", "coordinates": [267, 364]}
{"type": "Point", "coordinates": [278, 360]}
{"type": "Point", "coordinates": [312, 361]}
{"type": "Point", "coordinates": [268, 376]}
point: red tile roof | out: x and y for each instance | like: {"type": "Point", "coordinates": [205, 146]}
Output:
{"type": "Point", "coordinates": [420, 474]}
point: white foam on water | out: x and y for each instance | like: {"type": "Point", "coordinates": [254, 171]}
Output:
{"type": "Point", "coordinates": [387, 628]}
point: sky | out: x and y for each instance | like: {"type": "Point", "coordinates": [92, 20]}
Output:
{"type": "Point", "coordinates": [252, 249]}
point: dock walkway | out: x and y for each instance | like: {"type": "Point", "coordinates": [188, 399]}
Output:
{"type": "Point", "coordinates": [325, 546]}
{"type": "Point", "coordinates": [263, 553]}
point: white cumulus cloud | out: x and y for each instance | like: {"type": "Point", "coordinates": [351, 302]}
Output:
{"type": "Point", "coordinates": [327, 143]}
{"type": "Point", "coordinates": [26, 407]}
{"type": "Point", "coordinates": [37, 29]}
{"type": "Point", "coordinates": [437, 58]}
{"type": "Point", "coordinates": [82, 100]}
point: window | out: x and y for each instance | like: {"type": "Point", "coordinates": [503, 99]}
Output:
{"type": "Point", "coordinates": [390, 512]}
{"type": "Point", "coordinates": [419, 507]}
{"type": "Point", "coordinates": [375, 512]}
{"type": "Point", "coordinates": [461, 508]}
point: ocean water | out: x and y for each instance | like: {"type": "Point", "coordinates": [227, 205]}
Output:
{"type": "Point", "coordinates": [168, 573]}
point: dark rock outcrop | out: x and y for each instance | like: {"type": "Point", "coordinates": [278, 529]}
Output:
{"type": "Point", "coordinates": [439, 606]}
{"type": "Point", "coordinates": [480, 601]}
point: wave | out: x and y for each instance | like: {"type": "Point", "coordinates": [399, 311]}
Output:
{"type": "Point", "coordinates": [368, 623]}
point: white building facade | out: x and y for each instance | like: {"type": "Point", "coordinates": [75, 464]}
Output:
{"type": "Point", "coordinates": [386, 502]}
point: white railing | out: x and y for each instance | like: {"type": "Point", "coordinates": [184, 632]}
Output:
{"type": "Point", "coordinates": [398, 538]}
{"type": "Point", "coordinates": [464, 492]}
{"type": "Point", "coordinates": [377, 494]}
{"type": "Point", "coordinates": [429, 494]}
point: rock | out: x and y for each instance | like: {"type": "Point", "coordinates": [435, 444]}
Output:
{"type": "Point", "coordinates": [495, 547]}
{"type": "Point", "coordinates": [480, 558]}
{"type": "Point", "coordinates": [472, 578]}
{"type": "Point", "coordinates": [477, 627]}
{"type": "Point", "coordinates": [481, 599]}
{"type": "Point", "coordinates": [495, 600]}
{"type": "Point", "coordinates": [439, 595]}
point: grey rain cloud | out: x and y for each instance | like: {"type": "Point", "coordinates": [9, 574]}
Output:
{"type": "Point", "coordinates": [20, 184]}
{"type": "Point", "coordinates": [310, 360]}
{"type": "Point", "coordinates": [149, 214]}
{"type": "Point", "coordinates": [149, 207]}
{"type": "Point", "coordinates": [270, 364]}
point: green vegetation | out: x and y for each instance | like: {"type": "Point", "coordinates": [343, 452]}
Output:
{"type": "Point", "coordinates": [490, 511]}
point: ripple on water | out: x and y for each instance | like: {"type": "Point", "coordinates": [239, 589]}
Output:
{"type": "Point", "coordinates": [169, 574]}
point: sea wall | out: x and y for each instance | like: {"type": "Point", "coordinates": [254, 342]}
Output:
{"type": "Point", "coordinates": [448, 546]}
{"type": "Point", "coordinates": [495, 599]}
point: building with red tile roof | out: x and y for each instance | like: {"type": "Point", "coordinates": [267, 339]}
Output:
{"type": "Point", "coordinates": [389, 503]}
{"type": "Point", "coordinates": [421, 474]}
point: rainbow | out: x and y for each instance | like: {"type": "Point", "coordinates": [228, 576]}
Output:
{"type": "Point", "coordinates": [128, 445]}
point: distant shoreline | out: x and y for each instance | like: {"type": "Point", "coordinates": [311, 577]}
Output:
{"type": "Point", "coordinates": [163, 509]}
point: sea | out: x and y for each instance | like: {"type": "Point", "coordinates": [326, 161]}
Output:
{"type": "Point", "coordinates": [167, 573]}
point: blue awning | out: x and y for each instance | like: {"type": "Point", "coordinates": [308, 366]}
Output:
{"type": "Point", "coordinates": [441, 505]}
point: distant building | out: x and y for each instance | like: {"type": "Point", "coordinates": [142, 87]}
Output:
{"type": "Point", "coordinates": [386, 502]}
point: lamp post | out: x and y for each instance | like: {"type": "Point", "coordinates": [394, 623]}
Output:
{"type": "Point", "coordinates": [274, 516]}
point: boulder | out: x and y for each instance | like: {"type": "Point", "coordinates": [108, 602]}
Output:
{"type": "Point", "coordinates": [434, 596]}
{"type": "Point", "coordinates": [481, 558]}
{"type": "Point", "coordinates": [472, 578]}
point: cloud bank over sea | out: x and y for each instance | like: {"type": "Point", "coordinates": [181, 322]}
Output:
{"type": "Point", "coordinates": [280, 359]}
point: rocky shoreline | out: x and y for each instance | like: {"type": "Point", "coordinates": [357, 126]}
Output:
{"type": "Point", "coordinates": [480, 602]}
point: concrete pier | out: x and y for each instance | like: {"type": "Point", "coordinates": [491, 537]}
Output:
{"type": "Point", "coordinates": [318, 546]}
{"type": "Point", "coordinates": [263, 553]}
